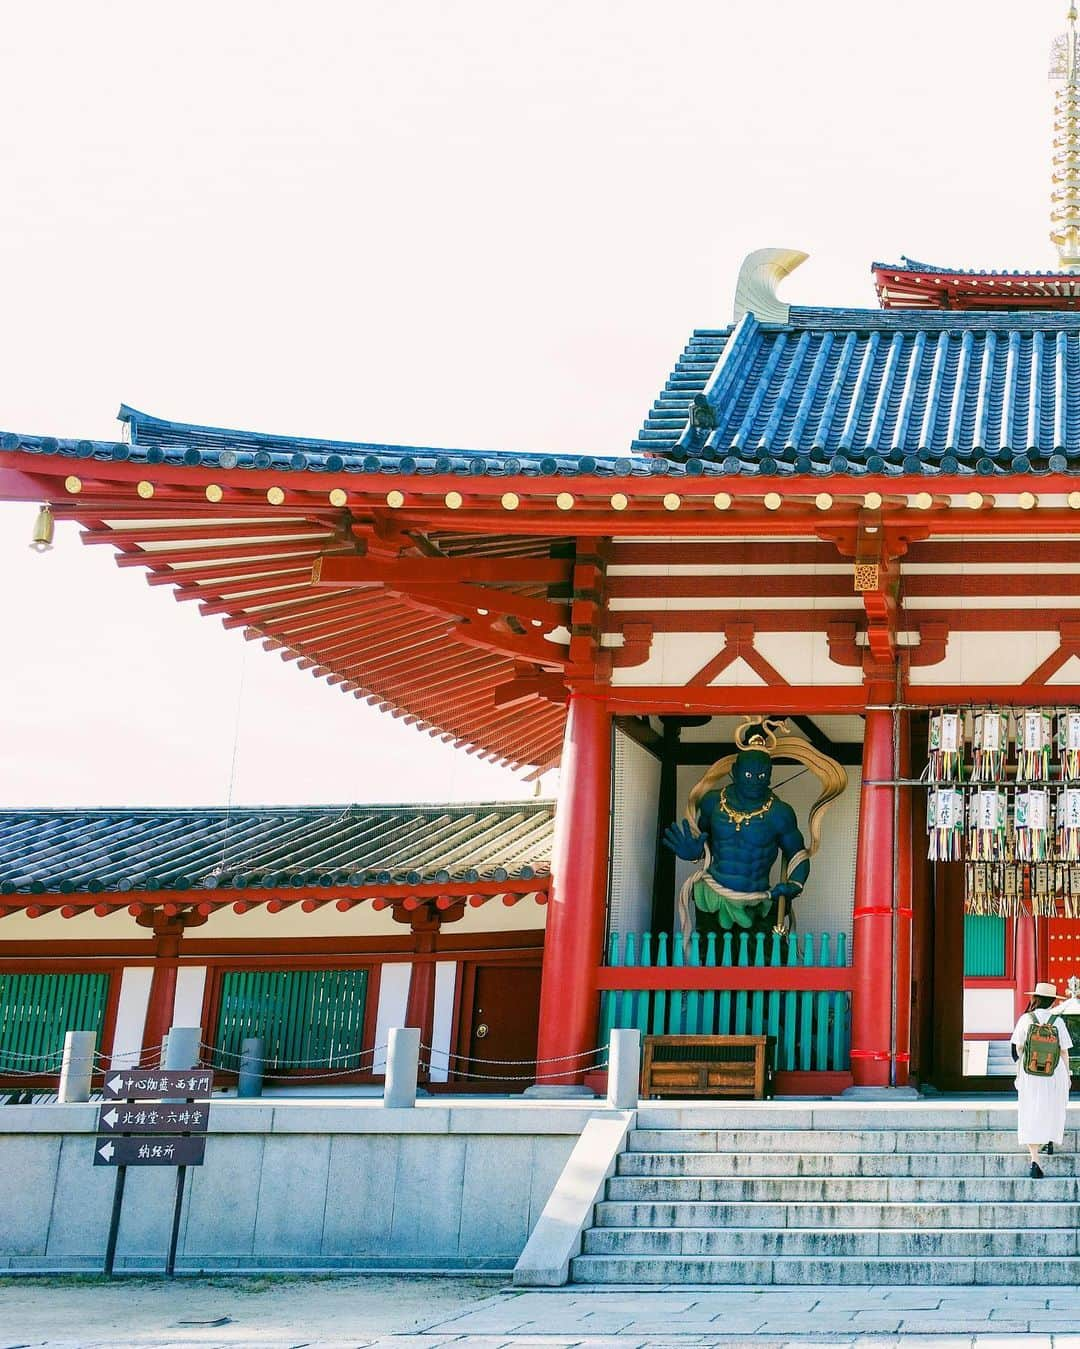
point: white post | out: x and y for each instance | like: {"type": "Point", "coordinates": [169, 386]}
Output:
{"type": "Point", "coordinates": [77, 1065]}
{"type": "Point", "coordinates": [624, 1069]}
{"type": "Point", "coordinates": [402, 1065]}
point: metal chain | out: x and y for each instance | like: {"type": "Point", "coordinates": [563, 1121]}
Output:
{"type": "Point", "coordinates": [508, 1077]}
{"type": "Point", "coordinates": [518, 1063]}
{"type": "Point", "coordinates": [292, 1063]}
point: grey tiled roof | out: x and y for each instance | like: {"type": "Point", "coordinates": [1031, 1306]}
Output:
{"type": "Point", "coordinates": [68, 851]}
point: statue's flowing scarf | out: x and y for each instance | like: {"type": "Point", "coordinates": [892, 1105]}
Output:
{"type": "Point", "coordinates": [704, 891]}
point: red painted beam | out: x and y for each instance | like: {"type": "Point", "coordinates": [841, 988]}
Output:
{"type": "Point", "coordinates": [210, 553]}
{"type": "Point", "coordinates": [431, 571]}
{"type": "Point", "coordinates": [732, 699]}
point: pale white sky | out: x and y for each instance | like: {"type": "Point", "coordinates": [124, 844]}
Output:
{"type": "Point", "coordinates": [486, 224]}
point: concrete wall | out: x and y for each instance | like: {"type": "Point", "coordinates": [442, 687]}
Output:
{"type": "Point", "coordinates": [292, 1185]}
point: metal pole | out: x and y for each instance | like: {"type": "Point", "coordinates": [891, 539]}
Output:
{"type": "Point", "coordinates": [114, 1221]}
{"type": "Point", "coordinates": [170, 1263]}
{"type": "Point", "coordinates": [249, 1080]}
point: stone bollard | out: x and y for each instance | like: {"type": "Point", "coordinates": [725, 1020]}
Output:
{"type": "Point", "coordinates": [249, 1079]}
{"type": "Point", "coordinates": [180, 1049]}
{"type": "Point", "coordinates": [624, 1069]}
{"type": "Point", "coordinates": [77, 1065]}
{"type": "Point", "coordinates": [402, 1065]}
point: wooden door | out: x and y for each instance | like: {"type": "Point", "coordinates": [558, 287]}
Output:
{"type": "Point", "coordinates": [500, 1018]}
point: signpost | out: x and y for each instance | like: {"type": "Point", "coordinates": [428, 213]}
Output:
{"type": "Point", "coordinates": [152, 1118]}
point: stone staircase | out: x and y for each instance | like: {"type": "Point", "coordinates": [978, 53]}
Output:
{"type": "Point", "coordinates": [929, 1194]}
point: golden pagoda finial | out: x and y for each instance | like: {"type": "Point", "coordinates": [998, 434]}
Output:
{"type": "Point", "coordinates": [1065, 178]}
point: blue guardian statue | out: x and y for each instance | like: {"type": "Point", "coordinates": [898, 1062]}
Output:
{"type": "Point", "coordinates": [739, 828]}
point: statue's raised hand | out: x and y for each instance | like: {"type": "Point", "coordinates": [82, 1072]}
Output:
{"type": "Point", "coordinates": [785, 890]}
{"type": "Point", "coordinates": [683, 842]}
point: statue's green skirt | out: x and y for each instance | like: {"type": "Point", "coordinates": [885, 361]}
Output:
{"type": "Point", "coordinates": [728, 915]}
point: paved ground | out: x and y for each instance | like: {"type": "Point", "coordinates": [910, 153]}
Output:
{"type": "Point", "coordinates": [474, 1313]}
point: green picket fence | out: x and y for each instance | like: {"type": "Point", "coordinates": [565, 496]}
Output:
{"type": "Point", "coordinates": [812, 1027]}
{"type": "Point", "coordinates": [37, 1011]}
{"type": "Point", "coordinates": [305, 1018]}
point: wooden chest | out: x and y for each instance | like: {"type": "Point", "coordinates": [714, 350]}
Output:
{"type": "Point", "coordinates": [708, 1065]}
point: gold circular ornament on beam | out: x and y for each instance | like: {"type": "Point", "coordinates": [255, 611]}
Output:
{"type": "Point", "coordinates": [1027, 501]}
{"type": "Point", "coordinates": [672, 501]}
{"type": "Point", "coordinates": [1074, 500]}
{"type": "Point", "coordinates": [145, 490]}
{"type": "Point", "coordinates": [73, 485]}
{"type": "Point", "coordinates": [565, 501]}
{"type": "Point", "coordinates": [873, 501]}
{"type": "Point", "coordinates": [453, 501]}
{"type": "Point", "coordinates": [722, 501]}
{"type": "Point", "coordinates": [213, 492]}
{"type": "Point", "coordinates": [975, 501]}
{"type": "Point", "coordinates": [824, 501]}
{"type": "Point", "coordinates": [275, 495]}
{"type": "Point", "coordinates": [510, 501]}
{"type": "Point", "coordinates": [773, 501]}
{"type": "Point", "coordinates": [620, 501]}
{"type": "Point", "coordinates": [395, 499]}
{"type": "Point", "coordinates": [922, 501]}
{"type": "Point", "coordinates": [339, 497]}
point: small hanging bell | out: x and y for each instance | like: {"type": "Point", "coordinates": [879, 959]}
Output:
{"type": "Point", "coordinates": [44, 528]}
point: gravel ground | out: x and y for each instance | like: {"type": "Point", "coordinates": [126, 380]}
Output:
{"type": "Point", "coordinates": [271, 1311]}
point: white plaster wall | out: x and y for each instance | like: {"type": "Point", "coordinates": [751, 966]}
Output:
{"type": "Point", "coordinates": [188, 1005]}
{"type": "Point", "coordinates": [445, 984]}
{"type": "Point", "coordinates": [393, 999]}
{"type": "Point", "coordinates": [362, 921]}
{"type": "Point", "coordinates": [633, 853]}
{"type": "Point", "coordinates": [131, 1015]}
{"type": "Point", "coordinates": [988, 657]}
{"type": "Point", "coordinates": [988, 1009]}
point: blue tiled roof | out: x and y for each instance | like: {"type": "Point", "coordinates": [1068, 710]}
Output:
{"type": "Point", "coordinates": [155, 441]}
{"type": "Point", "coordinates": [67, 851]}
{"type": "Point", "coordinates": [841, 390]}
{"type": "Point", "coordinates": [831, 391]}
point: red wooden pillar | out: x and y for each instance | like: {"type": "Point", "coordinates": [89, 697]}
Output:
{"type": "Point", "coordinates": [159, 1010]}
{"type": "Point", "coordinates": [905, 909]}
{"type": "Point", "coordinates": [420, 1006]}
{"type": "Point", "coordinates": [1042, 948]}
{"type": "Point", "coordinates": [872, 940]}
{"type": "Point", "coordinates": [1026, 963]}
{"type": "Point", "coordinates": [574, 940]}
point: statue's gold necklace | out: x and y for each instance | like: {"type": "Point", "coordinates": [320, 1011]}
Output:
{"type": "Point", "coordinates": [740, 817]}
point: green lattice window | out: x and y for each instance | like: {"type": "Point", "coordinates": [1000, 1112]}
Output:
{"type": "Point", "coordinates": [305, 1018]}
{"type": "Point", "coordinates": [37, 1010]}
{"type": "Point", "coordinates": [984, 946]}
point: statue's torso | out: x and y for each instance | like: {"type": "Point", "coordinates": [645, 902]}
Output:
{"type": "Point", "coordinates": [743, 852]}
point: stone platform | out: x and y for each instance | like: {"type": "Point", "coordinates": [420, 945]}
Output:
{"type": "Point", "coordinates": [927, 1192]}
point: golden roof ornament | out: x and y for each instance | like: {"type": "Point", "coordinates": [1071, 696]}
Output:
{"type": "Point", "coordinates": [1065, 176]}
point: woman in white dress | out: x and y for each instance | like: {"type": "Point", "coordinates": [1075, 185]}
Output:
{"type": "Point", "coordinates": [1042, 1100]}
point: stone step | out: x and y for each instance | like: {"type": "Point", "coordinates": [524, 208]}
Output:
{"type": "Point", "coordinates": [754, 1242]}
{"type": "Point", "coordinates": [829, 1140]}
{"type": "Point", "coordinates": [779, 1164]}
{"type": "Point", "coordinates": [828, 1189]}
{"type": "Point", "coordinates": [670, 1120]}
{"type": "Point", "coordinates": [800, 1270]}
{"type": "Point", "coordinates": [763, 1213]}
